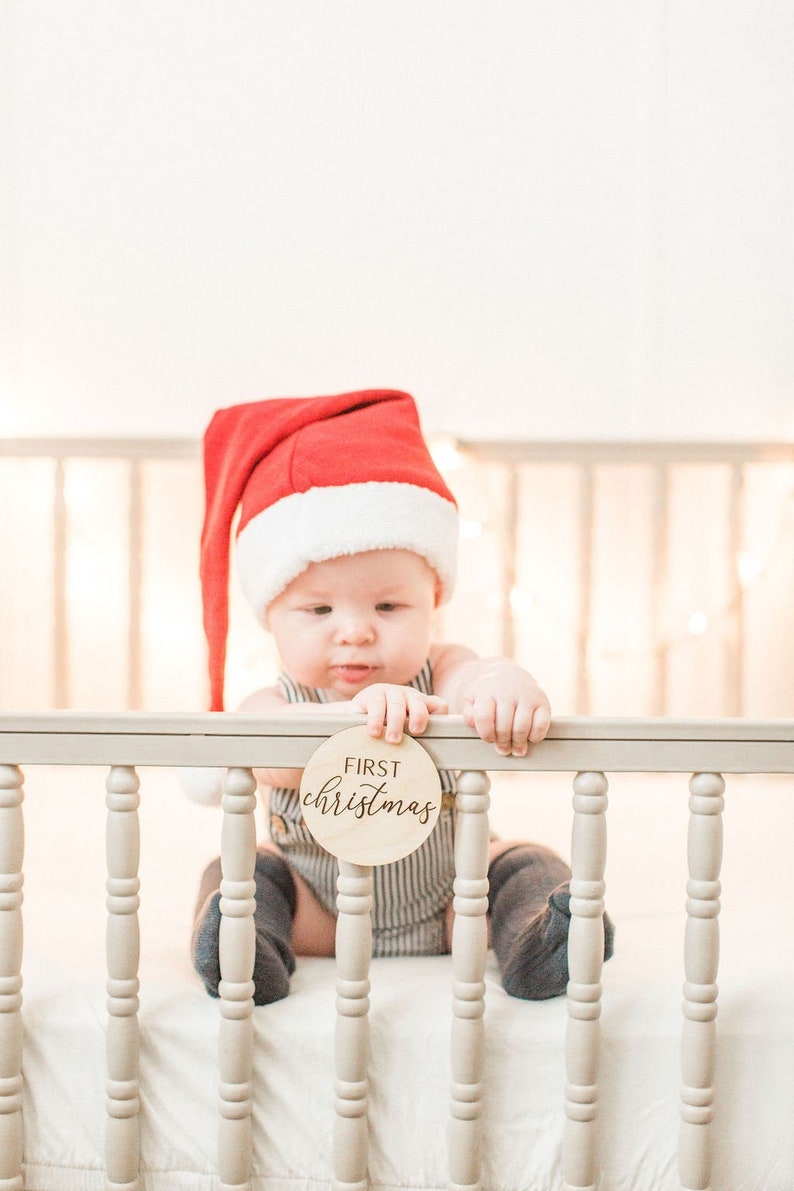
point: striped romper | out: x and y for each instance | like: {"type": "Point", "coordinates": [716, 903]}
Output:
{"type": "Point", "coordinates": [411, 895]}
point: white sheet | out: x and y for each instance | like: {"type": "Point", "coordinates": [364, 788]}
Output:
{"type": "Point", "coordinates": [293, 1117]}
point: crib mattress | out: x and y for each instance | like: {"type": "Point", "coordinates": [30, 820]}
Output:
{"type": "Point", "coordinates": [65, 1016]}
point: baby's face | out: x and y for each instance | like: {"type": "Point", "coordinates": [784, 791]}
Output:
{"type": "Point", "coordinates": [348, 622]}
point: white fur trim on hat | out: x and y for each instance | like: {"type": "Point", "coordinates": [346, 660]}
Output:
{"type": "Point", "coordinates": [279, 543]}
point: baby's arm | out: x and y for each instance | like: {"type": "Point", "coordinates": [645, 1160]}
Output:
{"type": "Point", "coordinates": [389, 710]}
{"type": "Point", "coordinates": [495, 696]}
{"type": "Point", "coordinates": [204, 784]}
{"type": "Point", "coordinates": [270, 701]}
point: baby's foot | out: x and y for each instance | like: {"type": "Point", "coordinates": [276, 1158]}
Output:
{"type": "Point", "coordinates": [537, 965]}
{"type": "Point", "coordinates": [271, 968]}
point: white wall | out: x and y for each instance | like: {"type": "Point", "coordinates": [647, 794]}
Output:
{"type": "Point", "coordinates": [544, 219]}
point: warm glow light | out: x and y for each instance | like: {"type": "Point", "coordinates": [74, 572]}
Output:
{"type": "Point", "coordinates": [167, 632]}
{"type": "Point", "coordinates": [748, 568]}
{"type": "Point", "coordinates": [785, 481]}
{"type": "Point", "coordinates": [521, 600]}
{"type": "Point", "coordinates": [80, 491]}
{"type": "Point", "coordinates": [446, 455]}
{"type": "Point", "coordinates": [469, 528]}
{"type": "Point", "coordinates": [86, 576]}
{"type": "Point", "coordinates": [698, 624]}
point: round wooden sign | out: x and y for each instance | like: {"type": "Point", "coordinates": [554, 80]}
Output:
{"type": "Point", "coordinates": [369, 802]}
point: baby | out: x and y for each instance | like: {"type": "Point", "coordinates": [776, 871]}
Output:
{"type": "Point", "coordinates": [346, 546]}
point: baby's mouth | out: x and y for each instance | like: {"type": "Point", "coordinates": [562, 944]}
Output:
{"type": "Point", "coordinates": [352, 671]}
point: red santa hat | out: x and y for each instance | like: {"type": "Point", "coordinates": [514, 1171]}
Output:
{"type": "Point", "coordinates": [315, 478]}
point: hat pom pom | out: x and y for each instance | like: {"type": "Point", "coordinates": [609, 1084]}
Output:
{"type": "Point", "coordinates": [203, 784]}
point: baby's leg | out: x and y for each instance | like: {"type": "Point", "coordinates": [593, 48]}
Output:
{"type": "Point", "coordinates": [276, 900]}
{"type": "Point", "coordinates": [313, 928]}
{"type": "Point", "coordinates": [528, 901]}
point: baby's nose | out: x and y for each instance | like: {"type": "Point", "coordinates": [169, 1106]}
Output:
{"type": "Point", "coordinates": [355, 629]}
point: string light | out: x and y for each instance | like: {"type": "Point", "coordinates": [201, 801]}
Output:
{"type": "Point", "coordinates": [749, 571]}
{"type": "Point", "coordinates": [698, 624]}
{"type": "Point", "coordinates": [521, 600]}
{"type": "Point", "coordinates": [470, 528]}
{"type": "Point", "coordinates": [446, 455]}
{"type": "Point", "coordinates": [748, 568]}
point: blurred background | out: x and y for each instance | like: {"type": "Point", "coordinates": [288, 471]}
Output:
{"type": "Point", "coordinates": [566, 229]}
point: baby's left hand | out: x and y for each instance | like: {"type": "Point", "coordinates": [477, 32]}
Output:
{"type": "Point", "coordinates": [506, 707]}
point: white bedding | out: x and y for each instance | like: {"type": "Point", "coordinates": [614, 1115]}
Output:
{"type": "Point", "coordinates": [65, 1015]}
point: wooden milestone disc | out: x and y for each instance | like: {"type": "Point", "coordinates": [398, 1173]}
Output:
{"type": "Point", "coordinates": [369, 802]}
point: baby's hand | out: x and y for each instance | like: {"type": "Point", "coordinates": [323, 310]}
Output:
{"type": "Point", "coordinates": [507, 708]}
{"type": "Point", "coordinates": [388, 707]}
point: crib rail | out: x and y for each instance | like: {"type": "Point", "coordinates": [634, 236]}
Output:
{"type": "Point", "coordinates": [590, 748]}
{"type": "Point", "coordinates": [646, 745]}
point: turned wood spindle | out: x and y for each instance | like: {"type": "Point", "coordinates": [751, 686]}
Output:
{"type": "Point", "coordinates": [701, 962]}
{"type": "Point", "coordinates": [469, 951]}
{"type": "Point", "coordinates": [585, 961]}
{"type": "Point", "coordinates": [237, 947]}
{"type": "Point", "coordinates": [122, 940]}
{"type": "Point", "coordinates": [353, 955]}
{"type": "Point", "coordinates": [11, 856]}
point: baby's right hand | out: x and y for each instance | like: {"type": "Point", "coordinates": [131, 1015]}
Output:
{"type": "Point", "coordinates": [390, 709]}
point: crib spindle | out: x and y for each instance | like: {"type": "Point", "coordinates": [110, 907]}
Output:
{"type": "Point", "coordinates": [353, 953]}
{"type": "Point", "coordinates": [236, 989]}
{"type": "Point", "coordinates": [11, 855]}
{"type": "Point", "coordinates": [469, 949]}
{"type": "Point", "coordinates": [585, 961]}
{"type": "Point", "coordinates": [122, 847]}
{"type": "Point", "coordinates": [701, 962]}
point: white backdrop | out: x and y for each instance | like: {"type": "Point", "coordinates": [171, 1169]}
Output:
{"type": "Point", "coordinates": [545, 220]}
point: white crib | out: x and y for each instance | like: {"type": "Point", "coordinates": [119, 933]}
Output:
{"type": "Point", "coordinates": [578, 1092]}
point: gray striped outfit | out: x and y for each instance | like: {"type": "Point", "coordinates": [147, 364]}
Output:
{"type": "Point", "coordinates": [411, 895]}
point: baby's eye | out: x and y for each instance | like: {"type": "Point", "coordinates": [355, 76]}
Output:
{"type": "Point", "coordinates": [320, 609]}
{"type": "Point", "coordinates": [386, 606]}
